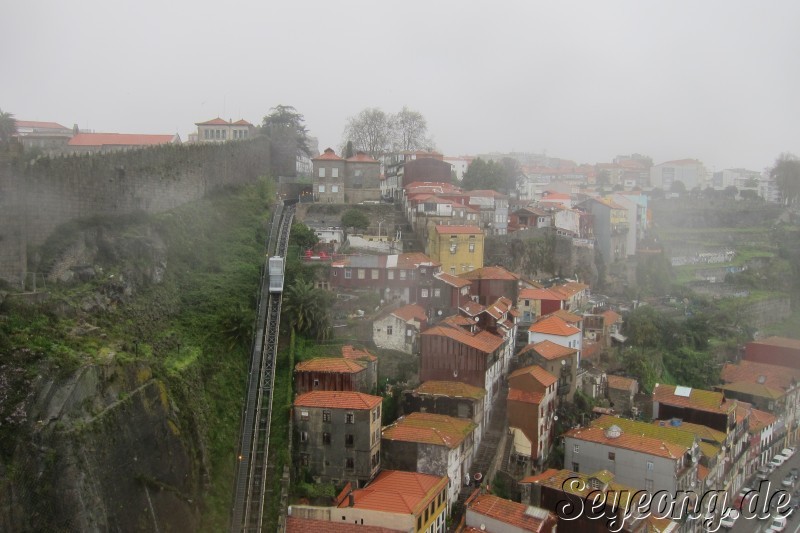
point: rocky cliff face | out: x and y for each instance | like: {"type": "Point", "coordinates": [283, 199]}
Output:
{"type": "Point", "coordinates": [103, 449]}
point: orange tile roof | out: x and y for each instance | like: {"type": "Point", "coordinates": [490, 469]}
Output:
{"type": "Point", "coordinates": [295, 524]}
{"type": "Point", "coordinates": [429, 428]}
{"type": "Point", "coordinates": [700, 399]}
{"type": "Point", "coordinates": [411, 312]}
{"type": "Point", "coordinates": [454, 281]}
{"type": "Point", "coordinates": [753, 389]}
{"type": "Point", "coordinates": [483, 340]}
{"type": "Point", "coordinates": [36, 124]}
{"type": "Point", "coordinates": [213, 122]}
{"type": "Point", "coordinates": [760, 419]}
{"type": "Point", "coordinates": [361, 157]}
{"type": "Point", "coordinates": [453, 389]}
{"type": "Point", "coordinates": [515, 514]}
{"type": "Point", "coordinates": [334, 365]}
{"type": "Point", "coordinates": [666, 432]}
{"type": "Point", "coordinates": [413, 260]}
{"type": "Point", "coordinates": [538, 373]}
{"type": "Point", "coordinates": [337, 400]}
{"type": "Point", "coordinates": [458, 230]}
{"type": "Point", "coordinates": [702, 472]}
{"type": "Point", "coordinates": [705, 433]}
{"type": "Point", "coordinates": [327, 155]}
{"type": "Point", "coordinates": [241, 122]}
{"type": "Point", "coordinates": [647, 445]}
{"type": "Point", "coordinates": [540, 294]}
{"type": "Point", "coordinates": [549, 350]}
{"type": "Point", "coordinates": [457, 321]}
{"type": "Point", "coordinates": [119, 139]}
{"type": "Point", "coordinates": [611, 317]}
{"type": "Point", "coordinates": [783, 342]}
{"type": "Point", "coordinates": [772, 376]}
{"type": "Point", "coordinates": [472, 308]}
{"type": "Point", "coordinates": [490, 272]}
{"type": "Point", "coordinates": [395, 491]}
{"type": "Point", "coordinates": [517, 395]}
{"type": "Point", "coordinates": [620, 383]}
{"type": "Point", "coordinates": [553, 325]}
{"type": "Point", "coordinates": [348, 352]}
{"type": "Point", "coordinates": [566, 316]}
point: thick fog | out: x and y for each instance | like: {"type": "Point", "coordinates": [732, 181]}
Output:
{"type": "Point", "coordinates": [717, 81]}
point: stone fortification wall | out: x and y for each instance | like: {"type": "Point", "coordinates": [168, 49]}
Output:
{"type": "Point", "coordinates": [37, 198]}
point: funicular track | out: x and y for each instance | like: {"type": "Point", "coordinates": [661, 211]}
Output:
{"type": "Point", "coordinates": [249, 506]}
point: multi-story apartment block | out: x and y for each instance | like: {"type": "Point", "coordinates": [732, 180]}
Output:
{"type": "Point", "coordinates": [451, 398]}
{"type": "Point", "coordinates": [492, 282]}
{"type": "Point", "coordinates": [558, 331]}
{"type": "Point", "coordinates": [219, 130]}
{"type": "Point", "coordinates": [610, 227]}
{"type": "Point", "coordinates": [337, 435]}
{"type": "Point", "coordinates": [431, 444]}
{"type": "Point", "coordinates": [559, 360]}
{"type": "Point", "coordinates": [530, 409]}
{"type": "Point", "coordinates": [457, 248]}
{"type": "Point", "coordinates": [493, 208]}
{"type": "Point", "coordinates": [407, 277]}
{"type": "Point", "coordinates": [337, 180]}
{"type": "Point", "coordinates": [691, 172]}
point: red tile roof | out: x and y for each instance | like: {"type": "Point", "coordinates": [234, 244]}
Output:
{"type": "Point", "coordinates": [540, 294]}
{"type": "Point", "coordinates": [515, 514]}
{"type": "Point", "coordinates": [772, 376]}
{"type": "Point", "coordinates": [538, 373]}
{"type": "Point", "coordinates": [610, 317]}
{"type": "Point", "coordinates": [700, 399]}
{"type": "Point", "coordinates": [457, 321]}
{"type": "Point", "coordinates": [483, 341]}
{"type": "Point", "coordinates": [620, 383]}
{"type": "Point", "coordinates": [549, 350]}
{"type": "Point", "coordinates": [566, 316]}
{"type": "Point", "coordinates": [760, 419]}
{"type": "Point", "coordinates": [452, 389]}
{"type": "Point", "coordinates": [348, 352]}
{"type": "Point", "coordinates": [553, 325]}
{"type": "Point", "coordinates": [333, 365]}
{"type": "Point", "coordinates": [328, 155]}
{"type": "Point", "coordinates": [517, 395]}
{"type": "Point", "coordinates": [213, 122]}
{"type": "Point", "coordinates": [490, 273]}
{"type": "Point", "coordinates": [41, 125]}
{"type": "Point", "coordinates": [458, 230]}
{"type": "Point", "coordinates": [241, 122]}
{"type": "Point", "coordinates": [361, 157]}
{"type": "Point", "coordinates": [307, 525]}
{"type": "Point", "coordinates": [119, 139]}
{"type": "Point", "coordinates": [429, 428]}
{"type": "Point", "coordinates": [472, 308]}
{"type": "Point", "coordinates": [395, 491]}
{"type": "Point", "coordinates": [337, 400]}
{"type": "Point", "coordinates": [453, 281]}
{"type": "Point", "coordinates": [411, 312]}
{"type": "Point", "coordinates": [639, 443]}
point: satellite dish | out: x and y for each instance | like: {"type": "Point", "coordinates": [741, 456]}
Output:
{"type": "Point", "coordinates": [555, 418]}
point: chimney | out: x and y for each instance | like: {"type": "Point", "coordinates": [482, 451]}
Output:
{"type": "Point", "coordinates": [75, 129]}
{"type": "Point", "coordinates": [351, 500]}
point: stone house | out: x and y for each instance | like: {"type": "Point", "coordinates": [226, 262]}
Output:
{"type": "Point", "coordinates": [337, 436]}
{"type": "Point", "coordinates": [431, 444]}
{"type": "Point", "coordinates": [621, 391]}
{"type": "Point", "coordinates": [451, 398]}
{"type": "Point", "coordinates": [407, 277]}
{"type": "Point", "coordinates": [399, 329]}
{"type": "Point", "coordinates": [219, 130]}
{"type": "Point", "coordinates": [356, 370]}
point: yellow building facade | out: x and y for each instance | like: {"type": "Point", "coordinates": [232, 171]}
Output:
{"type": "Point", "coordinates": [458, 248]}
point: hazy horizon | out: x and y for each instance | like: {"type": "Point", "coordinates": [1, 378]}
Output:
{"type": "Point", "coordinates": [585, 81]}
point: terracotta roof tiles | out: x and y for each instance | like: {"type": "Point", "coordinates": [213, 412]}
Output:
{"type": "Point", "coordinates": [772, 376]}
{"type": "Point", "coordinates": [483, 340]}
{"type": "Point", "coordinates": [348, 352]}
{"type": "Point", "coordinates": [698, 399]}
{"type": "Point", "coordinates": [553, 325]}
{"type": "Point", "coordinates": [395, 491]}
{"type": "Point", "coordinates": [538, 373]}
{"type": "Point", "coordinates": [515, 514]}
{"type": "Point", "coordinates": [454, 281]}
{"type": "Point", "coordinates": [333, 365]}
{"type": "Point", "coordinates": [453, 389]}
{"type": "Point", "coordinates": [540, 294]}
{"type": "Point", "coordinates": [518, 395]}
{"type": "Point", "coordinates": [411, 312]}
{"type": "Point", "coordinates": [620, 382]}
{"type": "Point", "coordinates": [429, 428]}
{"type": "Point", "coordinates": [337, 400]}
{"type": "Point", "coordinates": [647, 445]}
{"type": "Point", "coordinates": [490, 273]}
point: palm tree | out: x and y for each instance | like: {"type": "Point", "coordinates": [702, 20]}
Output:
{"type": "Point", "coordinates": [8, 127]}
{"type": "Point", "coordinates": [307, 310]}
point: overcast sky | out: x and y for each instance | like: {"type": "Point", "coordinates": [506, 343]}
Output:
{"type": "Point", "coordinates": [717, 81]}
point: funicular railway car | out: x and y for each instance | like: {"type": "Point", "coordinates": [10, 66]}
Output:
{"type": "Point", "coordinates": [276, 274]}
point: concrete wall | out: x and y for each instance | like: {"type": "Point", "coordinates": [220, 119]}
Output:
{"type": "Point", "coordinates": [36, 199]}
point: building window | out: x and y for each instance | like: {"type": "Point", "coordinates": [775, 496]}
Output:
{"type": "Point", "coordinates": [362, 273]}
{"type": "Point", "coordinates": [303, 415]}
{"type": "Point", "coordinates": [390, 274]}
{"type": "Point", "coordinates": [648, 485]}
{"type": "Point", "coordinates": [576, 448]}
{"type": "Point", "coordinates": [326, 416]}
{"type": "Point", "coordinates": [437, 293]}
{"type": "Point", "coordinates": [305, 459]}
{"type": "Point", "coordinates": [348, 440]}
{"type": "Point", "coordinates": [303, 436]}
{"type": "Point", "coordinates": [349, 463]}
{"type": "Point", "coordinates": [326, 438]}
{"type": "Point", "coordinates": [402, 274]}
{"type": "Point", "coordinates": [348, 418]}
{"type": "Point", "coordinates": [322, 172]}
{"type": "Point", "coordinates": [334, 188]}
{"type": "Point", "coordinates": [334, 172]}
{"type": "Point", "coordinates": [612, 456]}
{"type": "Point", "coordinates": [388, 330]}
{"type": "Point", "coordinates": [424, 293]}
{"type": "Point", "coordinates": [576, 467]}
{"type": "Point", "coordinates": [452, 271]}
{"type": "Point", "coordinates": [649, 466]}
{"type": "Point", "coordinates": [375, 273]}
{"type": "Point", "coordinates": [348, 273]}
{"type": "Point", "coordinates": [321, 188]}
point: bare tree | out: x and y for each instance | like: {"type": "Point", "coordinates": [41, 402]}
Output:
{"type": "Point", "coordinates": [409, 130]}
{"type": "Point", "coordinates": [369, 131]}
{"type": "Point", "coordinates": [787, 175]}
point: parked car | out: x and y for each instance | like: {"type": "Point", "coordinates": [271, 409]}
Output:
{"type": "Point", "coordinates": [729, 518]}
{"type": "Point", "coordinates": [795, 472]}
{"type": "Point", "coordinates": [778, 460]}
{"type": "Point", "coordinates": [787, 452]}
{"type": "Point", "coordinates": [788, 481]}
{"type": "Point", "coordinates": [777, 523]}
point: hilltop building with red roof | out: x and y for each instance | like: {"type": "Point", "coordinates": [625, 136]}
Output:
{"type": "Point", "coordinates": [338, 435]}
{"type": "Point", "coordinates": [430, 443]}
{"type": "Point", "coordinates": [409, 166]}
{"type": "Point", "coordinates": [218, 130]}
{"type": "Point", "coordinates": [345, 181]}
{"type": "Point", "coordinates": [49, 137]}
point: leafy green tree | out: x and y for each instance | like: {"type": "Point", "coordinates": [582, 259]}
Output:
{"type": "Point", "coordinates": [642, 327]}
{"type": "Point", "coordinates": [484, 175]}
{"type": "Point", "coordinates": [302, 236]}
{"type": "Point", "coordinates": [286, 117]}
{"type": "Point", "coordinates": [786, 173]}
{"type": "Point", "coordinates": [8, 127]}
{"type": "Point", "coordinates": [355, 218]}
{"type": "Point", "coordinates": [306, 309]}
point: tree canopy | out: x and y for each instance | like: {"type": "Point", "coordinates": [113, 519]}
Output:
{"type": "Point", "coordinates": [307, 309]}
{"type": "Point", "coordinates": [493, 175]}
{"type": "Point", "coordinates": [376, 132]}
{"type": "Point", "coordinates": [355, 218]}
{"type": "Point", "coordinates": [286, 117]}
{"type": "Point", "coordinates": [302, 236]}
{"type": "Point", "coordinates": [786, 173]}
{"type": "Point", "coordinates": [8, 126]}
